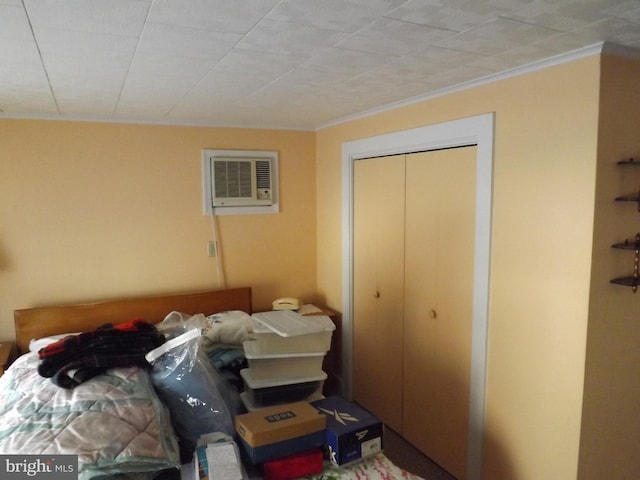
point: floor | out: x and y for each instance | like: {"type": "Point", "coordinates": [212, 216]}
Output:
{"type": "Point", "coordinates": [407, 457]}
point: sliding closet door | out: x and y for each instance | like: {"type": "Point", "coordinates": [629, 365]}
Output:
{"type": "Point", "coordinates": [378, 272]}
{"type": "Point", "coordinates": [439, 259]}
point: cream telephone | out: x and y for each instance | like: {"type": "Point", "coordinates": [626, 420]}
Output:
{"type": "Point", "coordinates": [287, 303]}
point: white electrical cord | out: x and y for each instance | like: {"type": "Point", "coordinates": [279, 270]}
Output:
{"type": "Point", "coordinates": [219, 267]}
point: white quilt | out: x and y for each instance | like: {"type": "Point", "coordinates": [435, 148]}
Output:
{"type": "Point", "coordinates": [114, 422]}
{"type": "Point", "coordinates": [377, 467]}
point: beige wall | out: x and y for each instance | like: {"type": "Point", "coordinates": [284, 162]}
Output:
{"type": "Point", "coordinates": [95, 210]}
{"type": "Point", "coordinates": [543, 193]}
{"type": "Point", "coordinates": [610, 439]}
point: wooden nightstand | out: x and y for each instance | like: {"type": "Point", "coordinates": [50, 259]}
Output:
{"type": "Point", "coordinates": [7, 350]}
{"type": "Point", "coordinates": [331, 364]}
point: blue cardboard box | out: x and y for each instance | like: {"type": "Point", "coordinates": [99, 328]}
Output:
{"type": "Point", "coordinates": [352, 432]}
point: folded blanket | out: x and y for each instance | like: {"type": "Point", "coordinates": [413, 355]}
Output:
{"type": "Point", "coordinates": [115, 423]}
{"type": "Point", "coordinates": [91, 353]}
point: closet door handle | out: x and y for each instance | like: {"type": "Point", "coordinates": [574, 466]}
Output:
{"type": "Point", "coordinates": [376, 294]}
{"type": "Point", "coordinates": [433, 313]}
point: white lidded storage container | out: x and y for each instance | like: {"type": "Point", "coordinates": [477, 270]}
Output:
{"type": "Point", "coordinates": [265, 366]}
{"type": "Point", "coordinates": [275, 391]}
{"type": "Point", "coordinates": [289, 332]}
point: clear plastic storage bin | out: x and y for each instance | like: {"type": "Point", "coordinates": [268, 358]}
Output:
{"type": "Point", "coordinates": [248, 404]}
{"type": "Point", "coordinates": [266, 366]}
{"type": "Point", "coordinates": [263, 393]}
{"type": "Point", "coordinates": [290, 332]}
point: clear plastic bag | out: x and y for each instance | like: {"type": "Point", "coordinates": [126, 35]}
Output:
{"type": "Point", "coordinates": [189, 386]}
{"type": "Point", "coordinates": [177, 323]}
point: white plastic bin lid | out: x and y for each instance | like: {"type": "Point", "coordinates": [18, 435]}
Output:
{"type": "Point", "coordinates": [288, 323]}
{"type": "Point", "coordinates": [157, 352]}
{"type": "Point", "coordinates": [246, 375]}
{"type": "Point", "coordinates": [252, 351]}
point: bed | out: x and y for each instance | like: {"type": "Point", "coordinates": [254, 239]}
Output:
{"type": "Point", "coordinates": [115, 422]}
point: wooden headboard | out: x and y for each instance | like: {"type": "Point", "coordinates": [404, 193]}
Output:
{"type": "Point", "coordinates": [44, 321]}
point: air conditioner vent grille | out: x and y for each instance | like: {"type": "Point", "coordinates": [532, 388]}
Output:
{"type": "Point", "coordinates": [232, 179]}
{"type": "Point", "coordinates": [263, 174]}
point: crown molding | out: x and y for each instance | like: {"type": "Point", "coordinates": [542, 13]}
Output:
{"type": "Point", "coordinates": [591, 50]}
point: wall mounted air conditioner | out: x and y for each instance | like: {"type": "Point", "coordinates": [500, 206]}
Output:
{"type": "Point", "coordinates": [233, 179]}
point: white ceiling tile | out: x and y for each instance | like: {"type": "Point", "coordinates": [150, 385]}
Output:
{"type": "Point", "coordinates": [458, 76]}
{"type": "Point", "coordinates": [185, 107]}
{"type": "Point", "coordinates": [219, 86]}
{"type": "Point", "coordinates": [24, 87]}
{"type": "Point", "coordinates": [304, 79]}
{"type": "Point", "coordinates": [342, 60]}
{"type": "Point", "coordinates": [386, 36]}
{"type": "Point", "coordinates": [290, 38]}
{"type": "Point", "coordinates": [283, 113]}
{"type": "Point", "coordinates": [87, 105]}
{"type": "Point", "coordinates": [25, 103]}
{"type": "Point", "coordinates": [487, 65]}
{"type": "Point", "coordinates": [615, 30]}
{"type": "Point", "coordinates": [456, 15]}
{"type": "Point", "coordinates": [159, 96]}
{"type": "Point", "coordinates": [329, 14]}
{"type": "Point", "coordinates": [158, 90]}
{"type": "Point", "coordinates": [77, 82]}
{"type": "Point", "coordinates": [631, 15]}
{"type": "Point", "coordinates": [78, 93]}
{"type": "Point", "coordinates": [86, 102]}
{"type": "Point", "coordinates": [220, 15]}
{"type": "Point", "coordinates": [520, 56]}
{"type": "Point", "coordinates": [264, 64]}
{"type": "Point", "coordinates": [497, 36]}
{"type": "Point", "coordinates": [69, 74]}
{"type": "Point", "coordinates": [187, 42]}
{"type": "Point", "coordinates": [148, 66]}
{"type": "Point", "coordinates": [115, 17]}
{"type": "Point", "coordinates": [13, 97]}
{"type": "Point", "coordinates": [19, 52]}
{"type": "Point", "coordinates": [14, 23]}
{"type": "Point", "coordinates": [432, 60]}
{"type": "Point", "coordinates": [85, 45]}
{"type": "Point", "coordinates": [564, 42]}
{"type": "Point", "coordinates": [268, 99]}
{"type": "Point", "coordinates": [619, 8]}
{"type": "Point", "coordinates": [146, 105]}
{"type": "Point", "coordinates": [30, 76]}
{"type": "Point", "coordinates": [389, 82]}
{"type": "Point", "coordinates": [565, 15]}
{"type": "Point", "coordinates": [16, 39]}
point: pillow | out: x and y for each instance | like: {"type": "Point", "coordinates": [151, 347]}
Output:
{"type": "Point", "coordinates": [37, 343]}
{"type": "Point", "coordinates": [231, 328]}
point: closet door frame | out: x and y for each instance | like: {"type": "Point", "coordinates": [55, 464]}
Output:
{"type": "Point", "coordinates": [477, 130]}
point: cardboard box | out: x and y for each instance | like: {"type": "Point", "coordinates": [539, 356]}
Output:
{"type": "Point", "coordinates": [279, 431]}
{"type": "Point", "coordinates": [352, 432]}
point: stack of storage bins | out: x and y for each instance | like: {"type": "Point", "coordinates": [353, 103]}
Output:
{"type": "Point", "coordinates": [285, 358]}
